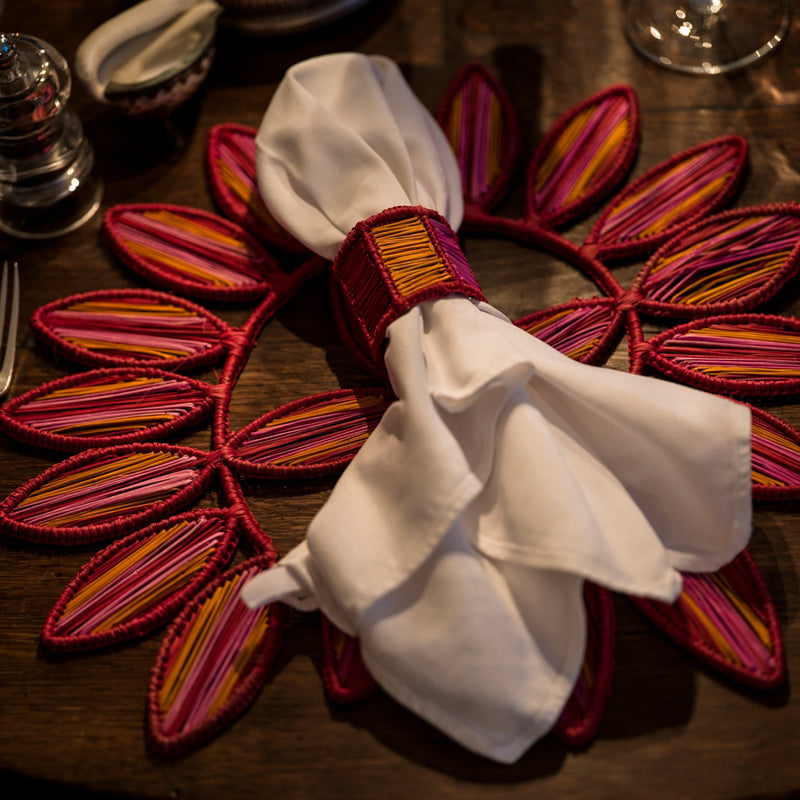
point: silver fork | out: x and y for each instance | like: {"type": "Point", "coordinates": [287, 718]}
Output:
{"type": "Point", "coordinates": [10, 346]}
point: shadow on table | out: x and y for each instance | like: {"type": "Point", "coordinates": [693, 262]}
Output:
{"type": "Point", "coordinates": [16, 786]}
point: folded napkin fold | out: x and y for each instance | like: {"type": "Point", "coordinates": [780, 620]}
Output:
{"type": "Point", "coordinates": [456, 543]}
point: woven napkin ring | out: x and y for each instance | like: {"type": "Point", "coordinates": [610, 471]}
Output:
{"type": "Point", "coordinates": [390, 263]}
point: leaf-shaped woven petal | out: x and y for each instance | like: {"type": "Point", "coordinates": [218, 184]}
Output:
{"type": "Point", "coordinates": [728, 619]}
{"type": "Point", "coordinates": [102, 493]}
{"type": "Point", "coordinates": [190, 251]}
{"type": "Point", "coordinates": [775, 453]}
{"type": "Point", "coordinates": [483, 131]}
{"type": "Point", "coordinates": [584, 156]}
{"type": "Point", "coordinates": [585, 330]}
{"type": "Point", "coordinates": [131, 327]}
{"type": "Point", "coordinates": [231, 159]}
{"type": "Point", "coordinates": [737, 354]}
{"type": "Point", "coordinates": [731, 262]}
{"type": "Point", "coordinates": [343, 672]}
{"type": "Point", "coordinates": [687, 186]}
{"type": "Point", "coordinates": [106, 407]}
{"type": "Point", "coordinates": [316, 435]}
{"type": "Point", "coordinates": [138, 583]}
{"type": "Point", "coordinates": [583, 713]}
{"type": "Point", "coordinates": [212, 663]}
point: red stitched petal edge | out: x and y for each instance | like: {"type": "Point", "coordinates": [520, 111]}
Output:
{"type": "Point", "coordinates": [554, 211]}
{"type": "Point", "coordinates": [621, 233]}
{"type": "Point", "coordinates": [154, 617]}
{"type": "Point", "coordinates": [345, 677]}
{"type": "Point", "coordinates": [241, 276]}
{"type": "Point", "coordinates": [12, 415]}
{"type": "Point", "coordinates": [251, 213]}
{"type": "Point", "coordinates": [251, 677]}
{"type": "Point", "coordinates": [200, 464]}
{"type": "Point", "coordinates": [583, 713]}
{"type": "Point", "coordinates": [351, 422]}
{"type": "Point", "coordinates": [481, 125]}
{"type": "Point", "coordinates": [771, 669]}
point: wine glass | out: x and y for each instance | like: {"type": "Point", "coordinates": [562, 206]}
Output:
{"type": "Point", "coordinates": [706, 37]}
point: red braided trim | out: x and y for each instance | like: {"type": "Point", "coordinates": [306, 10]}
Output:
{"type": "Point", "coordinates": [668, 618]}
{"type": "Point", "coordinates": [315, 435]}
{"type": "Point", "coordinates": [166, 243]}
{"type": "Point", "coordinates": [213, 329]}
{"type": "Point", "coordinates": [155, 616]}
{"type": "Point", "coordinates": [581, 717]}
{"type": "Point", "coordinates": [390, 263]}
{"type": "Point", "coordinates": [126, 521]}
{"type": "Point", "coordinates": [14, 421]}
{"type": "Point", "coordinates": [249, 683]}
{"type": "Point", "coordinates": [346, 678]}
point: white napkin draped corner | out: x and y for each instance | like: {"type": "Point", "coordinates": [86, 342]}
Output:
{"type": "Point", "coordinates": [456, 543]}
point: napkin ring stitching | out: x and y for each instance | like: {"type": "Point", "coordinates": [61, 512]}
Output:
{"type": "Point", "coordinates": [389, 263]}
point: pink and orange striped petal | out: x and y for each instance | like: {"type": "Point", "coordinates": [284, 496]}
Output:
{"type": "Point", "coordinates": [731, 262]}
{"type": "Point", "coordinates": [316, 435]}
{"type": "Point", "coordinates": [190, 251]}
{"type": "Point", "coordinates": [584, 156]}
{"type": "Point", "coordinates": [231, 160]}
{"type": "Point", "coordinates": [214, 660]}
{"type": "Point", "coordinates": [675, 193]}
{"type": "Point", "coordinates": [749, 355]}
{"type": "Point", "coordinates": [775, 457]}
{"type": "Point", "coordinates": [106, 407]}
{"type": "Point", "coordinates": [138, 583]}
{"type": "Point", "coordinates": [346, 678]}
{"type": "Point", "coordinates": [105, 492]}
{"type": "Point", "coordinates": [131, 327]}
{"type": "Point", "coordinates": [482, 128]}
{"type": "Point", "coordinates": [584, 330]}
{"type": "Point", "coordinates": [727, 619]}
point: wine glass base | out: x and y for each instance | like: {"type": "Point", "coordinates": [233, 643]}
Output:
{"type": "Point", "coordinates": [677, 36]}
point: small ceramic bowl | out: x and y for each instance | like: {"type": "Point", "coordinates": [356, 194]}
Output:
{"type": "Point", "coordinates": [152, 57]}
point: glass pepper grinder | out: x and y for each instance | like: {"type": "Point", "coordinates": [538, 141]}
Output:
{"type": "Point", "coordinates": [47, 182]}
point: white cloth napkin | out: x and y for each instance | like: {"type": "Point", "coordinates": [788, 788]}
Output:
{"type": "Point", "coordinates": [456, 542]}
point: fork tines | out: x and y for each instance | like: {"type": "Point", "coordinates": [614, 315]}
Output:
{"type": "Point", "coordinates": [10, 332]}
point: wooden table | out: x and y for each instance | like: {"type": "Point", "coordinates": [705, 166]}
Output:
{"type": "Point", "coordinates": [74, 725]}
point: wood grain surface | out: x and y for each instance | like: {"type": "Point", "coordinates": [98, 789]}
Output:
{"type": "Point", "coordinates": [74, 726]}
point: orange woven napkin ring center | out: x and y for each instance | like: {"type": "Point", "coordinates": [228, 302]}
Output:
{"type": "Point", "coordinates": [390, 263]}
